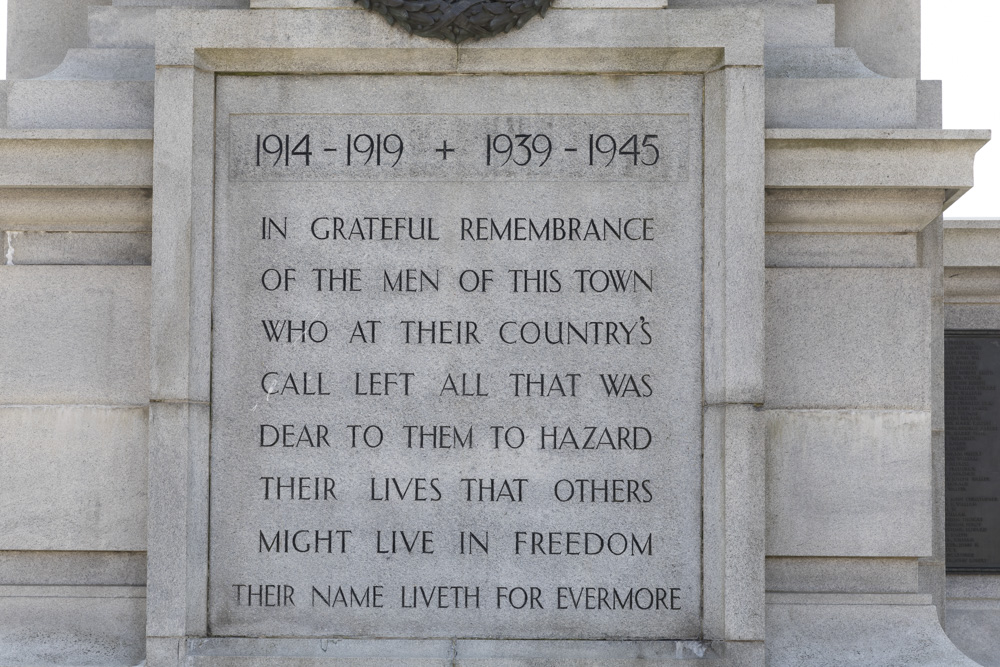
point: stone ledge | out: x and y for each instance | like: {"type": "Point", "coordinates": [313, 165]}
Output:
{"type": "Point", "coordinates": [268, 40]}
{"type": "Point", "coordinates": [972, 243]}
{"type": "Point", "coordinates": [233, 652]}
{"type": "Point", "coordinates": [76, 158]}
{"type": "Point", "coordinates": [849, 598]}
{"type": "Point", "coordinates": [99, 592]}
{"type": "Point", "coordinates": [829, 158]}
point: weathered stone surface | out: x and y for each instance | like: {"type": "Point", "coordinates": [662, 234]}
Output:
{"type": "Point", "coordinates": [860, 158]}
{"type": "Point", "coordinates": [78, 625]}
{"type": "Point", "coordinates": [886, 35]}
{"type": "Point", "coordinates": [864, 635]}
{"type": "Point", "coordinates": [178, 530]}
{"type": "Point", "coordinates": [77, 248]}
{"type": "Point", "coordinates": [111, 64]}
{"type": "Point", "coordinates": [848, 483]}
{"type": "Point", "coordinates": [122, 27]}
{"type": "Point", "coordinates": [851, 210]}
{"type": "Point", "coordinates": [75, 335]}
{"type": "Point", "coordinates": [974, 630]}
{"type": "Point", "coordinates": [971, 316]}
{"type": "Point", "coordinates": [77, 209]}
{"type": "Point", "coordinates": [973, 616]}
{"type": "Point", "coordinates": [734, 246]}
{"type": "Point", "coordinates": [841, 103]}
{"type": "Point", "coordinates": [973, 285]}
{"type": "Point", "coordinates": [795, 250]}
{"type": "Point", "coordinates": [40, 32]}
{"type": "Point", "coordinates": [76, 158]}
{"type": "Point", "coordinates": [79, 104]}
{"type": "Point", "coordinates": [72, 568]}
{"type": "Point", "coordinates": [786, 25]}
{"type": "Point", "coordinates": [848, 338]}
{"type": "Point", "coordinates": [74, 479]}
{"type": "Point", "coordinates": [686, 41]}
{"type": "Point", "coordinates": [970, 243]}
{"type": "Point", "coordinates": [847, 575]}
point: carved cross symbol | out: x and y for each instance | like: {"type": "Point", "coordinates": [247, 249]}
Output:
{"type": "Point", "coordinates": [444, 150]}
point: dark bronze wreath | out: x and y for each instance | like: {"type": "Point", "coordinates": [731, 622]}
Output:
{"type": "Point", "coordinates": [457, 20]}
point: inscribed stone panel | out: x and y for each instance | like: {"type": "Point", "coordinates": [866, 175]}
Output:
{"type": "Point", "coordinates": [457, 368]}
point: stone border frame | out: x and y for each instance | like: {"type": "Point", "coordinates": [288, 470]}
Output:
{"type": "Point", "coordinates": [194, 46]}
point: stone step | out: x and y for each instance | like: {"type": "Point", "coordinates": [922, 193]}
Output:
{"type": "Point", "coordinates": [79, 104]}
{"type": "Point", "coordinates": [106, 65]}
{"type": "Point", "coordinates": [874, 103]}
{"type": "Point", "coordinates": [792, 62]}
{"type": "Point", "coordinates": [122, 27]}
{"type": "Point", "coordinates": [812, 25]}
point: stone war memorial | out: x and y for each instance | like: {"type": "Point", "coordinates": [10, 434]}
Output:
{"type": "Point", "coordinates": [475, 333]}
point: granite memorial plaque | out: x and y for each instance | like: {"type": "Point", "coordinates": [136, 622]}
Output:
{"type": "Point", "coordinates": [972, 450]}
{"type": "Point", "coordinates": [457, 357]}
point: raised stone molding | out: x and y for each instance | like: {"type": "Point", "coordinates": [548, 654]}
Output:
{"type": "Point", "coordinates": [724, 45]}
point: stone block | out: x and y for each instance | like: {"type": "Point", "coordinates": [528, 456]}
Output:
{"type": "Point", "coordinates": [734, 244]}
{"type": "Point", "coordinates": [932, 577]}
{"type": "Point", "coordinates": [786, 25]}
{"type": "Point", "coordinates": [848, 338]}
{"type": "Point", "coordinates": [74, 159]}
{"type": "Point", "coordinates": [122, 27]}
{"type": "Point", "coordinates": [858, 635]}
{"type": "Point", "coordinates": [842, 575]}
{"type": "Point", "coordinates": [105, 65]}
{"type": "Point", "coordinates": [861, 158]}
{"type": "Point", "coordinates": [966, 245]}
{"type": "Point", "coordinates": [972, 284]}
{"type": "Point", "coordinates": [796, 250]}
{"type": "Point", "coordinates": [233, 652]}
{"type": "Point", "coordinates": [74, 478]}
{"type": "Point", "coordinates": [79, 104]}
{"type": "Point", "coordinates": [848, 483]}
{"type": "Point", "coordinates": [969, 587]}
{"type": "Point", "coordinates": [165, 652]}
{"type": "Point", "coordinates": [971, 316]}
{"type": "Point", "coordinates": [929, 106]}
{"type": "Point", "coordinates": [40, 32]}
{"type": "Point", "coordinates": [471, 653]}
{"type": "Point", "coordinates": [686, 40]}
{"type": "Point", "coordinates": [76, 209]}
{"type": "Point", "coordinates": [734, 512]}
{"type": "Point", "coordinates": [973, 615]}
{"type": "Point", "coordinates": [886, 35]}
{"type": "Point", "coordinates": [78, 248]}
{"type": "Point", "coordinates": [851, 210]}
{"type": "Point", "coordinates": [72, 568]}
{"type": "Point", "coordinates": [824, 63]}
{"type": "Point", "coordinates": [976, 632]}
{"type": "Point", "coordinates": [841, 103]}
{"type": "Point", "coordinates": [75, 335]}
{"type": "Point", "coordinates": [72, 625]}
{"type": "Point", "coordinates": [178, 520]}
